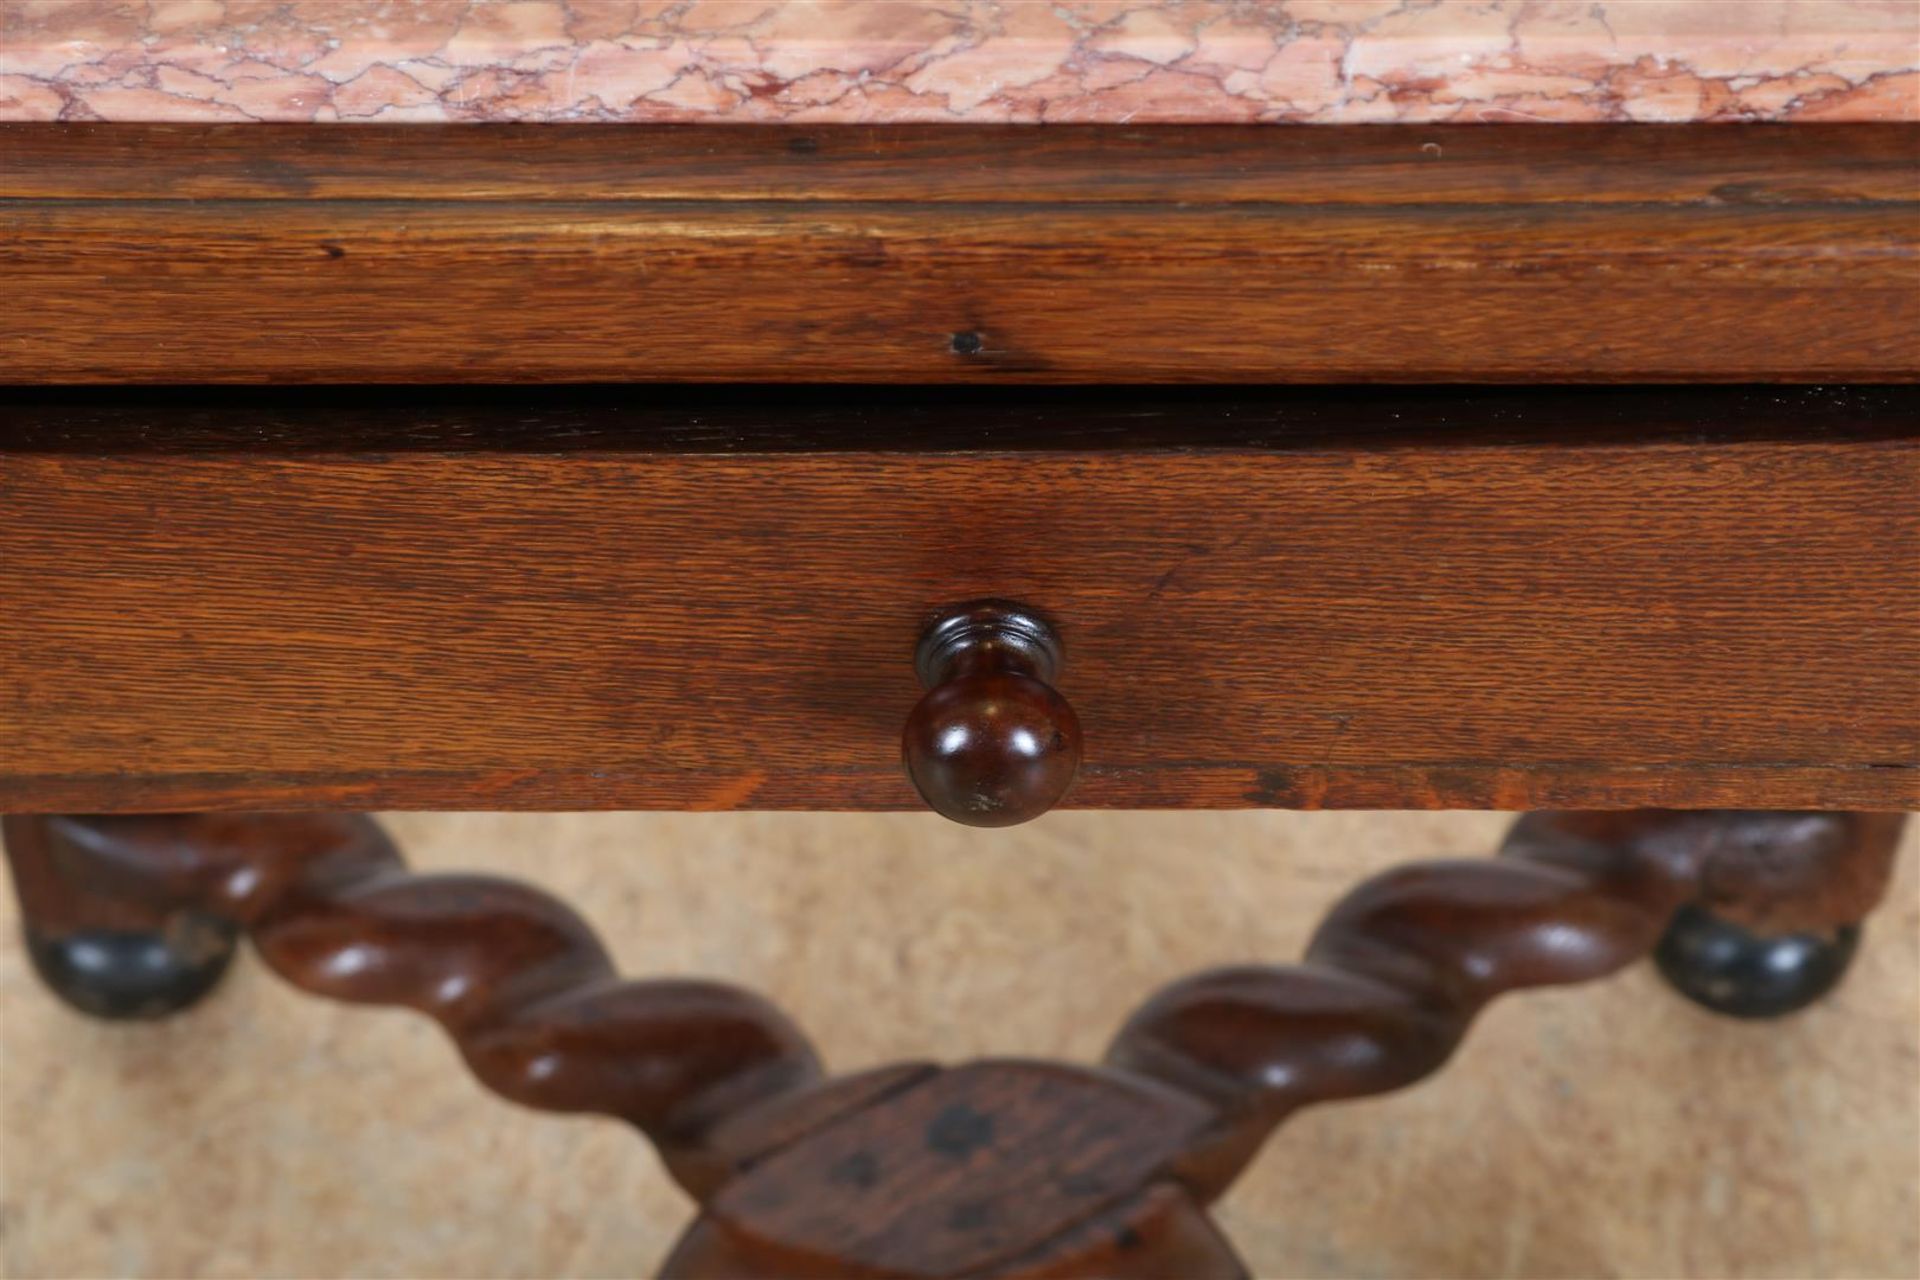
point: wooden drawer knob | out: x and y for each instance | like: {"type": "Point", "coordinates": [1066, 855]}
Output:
{"type": "Point", "coordinates": [991, 743]}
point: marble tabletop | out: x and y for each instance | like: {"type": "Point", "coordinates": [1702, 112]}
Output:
{"type": "Point", "coordinates": [1036, 61]}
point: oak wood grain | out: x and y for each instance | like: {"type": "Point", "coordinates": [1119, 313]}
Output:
{"type": "Point", "coordinates": [170, 253]}
{"type": "Point", "coordinates": [1503, 616]}
{"type": "Point", "coordinates": [1452, 164]}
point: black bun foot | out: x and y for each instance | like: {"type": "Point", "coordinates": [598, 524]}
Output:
{"type": "Point", "coordinates": [1724, 968]}
{"type": "Point", "coordinates": [123, 974]}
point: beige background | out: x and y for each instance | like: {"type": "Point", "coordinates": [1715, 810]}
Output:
{"type": "Point", "coordinates": [1607, 1130]}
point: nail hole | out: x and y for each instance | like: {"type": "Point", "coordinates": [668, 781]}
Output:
{"type": "Point", "coordinates": [966, 344]}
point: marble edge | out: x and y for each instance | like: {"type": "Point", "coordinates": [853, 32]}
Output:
{"type": "Point", "coordinates": [909, 61]}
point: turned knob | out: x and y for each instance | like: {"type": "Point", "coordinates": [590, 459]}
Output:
{"type": "Point", "coordinates": [991, 743]}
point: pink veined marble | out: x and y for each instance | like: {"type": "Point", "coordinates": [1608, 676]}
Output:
{"type": "Point", "coordinates": [871, 61]}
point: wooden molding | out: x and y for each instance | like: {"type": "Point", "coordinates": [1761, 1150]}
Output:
{"type": "Point", "coordinates": [256, 253]}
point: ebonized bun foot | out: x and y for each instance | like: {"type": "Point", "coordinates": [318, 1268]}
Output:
{"type": "Point", "coordinates": [128, 974]}
{"type": "Point", "coordinates": [1723, 967]}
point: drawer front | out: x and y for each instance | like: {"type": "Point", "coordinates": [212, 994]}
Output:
{"type": "Point", "coordinates": [1437, 622]}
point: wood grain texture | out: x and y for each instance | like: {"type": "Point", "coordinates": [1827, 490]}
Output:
{"type": "Point", "coordinates": [1507, 616]}
{"type": "Point", "coordinates": [1468, 164]}
{"type": "Point", "coordinates": [959, 255]}
{"type": "Point", "coordinates": [976, 1170]}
